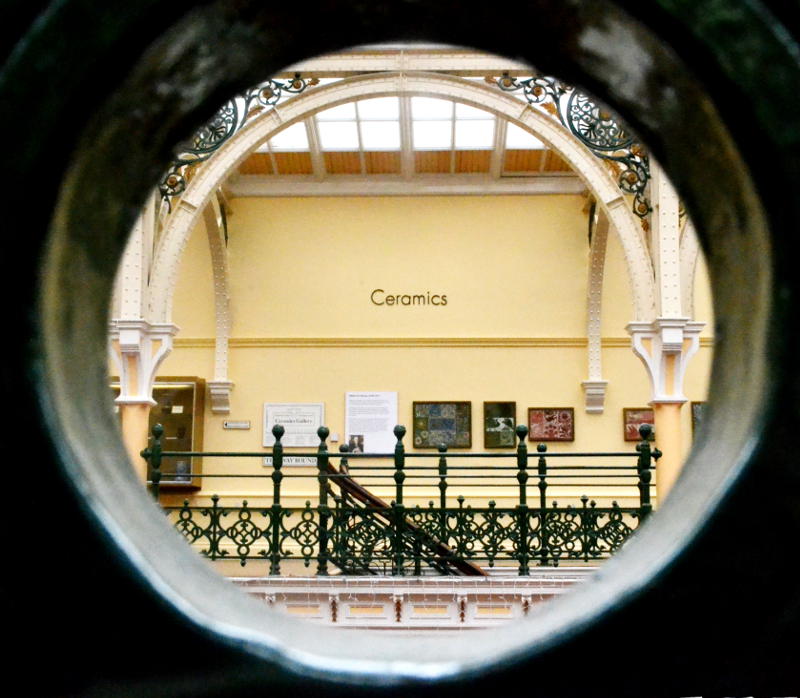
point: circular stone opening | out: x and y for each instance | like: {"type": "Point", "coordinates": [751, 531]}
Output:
{"type": "Point", "coordinates": [89, 230]}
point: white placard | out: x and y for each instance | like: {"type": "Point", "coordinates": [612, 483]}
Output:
{"type": "Point", "coordinates": [228, 424]}
{"type": "Point", "coordinates": [300, 420]}
{"type": "Point", "coordinates": [370, 418]}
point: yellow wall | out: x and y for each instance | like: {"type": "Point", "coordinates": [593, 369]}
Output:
{"type": "Point", "coordinates": [514, 270]}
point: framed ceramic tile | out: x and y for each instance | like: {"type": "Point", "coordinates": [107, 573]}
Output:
{"type": "Point", "coordinates": [551, 424]}
{"type": "Point", "coordinates": [499, 420]}
{"type": "Point", "coordinates": [448, 423]}
{"type": "Point", "coordinates": [633, 418]}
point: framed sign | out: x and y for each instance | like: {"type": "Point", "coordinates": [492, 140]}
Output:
{"type": "Point", "coordinates": [551, 424]}
{"type": "Point", "coordinates": [448, 423]}
{"type": "Point", "coordinates": [300, 420]}
{"type": "Point", "coordinates": [633, 418]}
{"type": "Point", "coordinates": [369, 418]}
{"type": "Point", "coordinates": [499, 420]}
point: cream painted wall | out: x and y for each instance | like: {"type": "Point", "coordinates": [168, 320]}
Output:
{"type": "Point", "coordinates": [193, 301]}
{"type": "Point", "coordinates": [306, 267]}
{"type": "Point", "coordinates": [513, 268]}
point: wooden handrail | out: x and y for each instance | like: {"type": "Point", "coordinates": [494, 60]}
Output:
{"type": "Point", "coordinates": [347, 484]}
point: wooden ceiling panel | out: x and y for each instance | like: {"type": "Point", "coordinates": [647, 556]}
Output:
{"type": "Point", "coordinates": [432, 161]}
{"type": "Point", "coordinates": [557, 164]}
{"type": "Point", "coordinates": [342, 163]}
{"type": "Point", "coordinates": [473, 160]}
{"type": "Point", "coordinates": [523, 160]}
{"type": "Point", "coordinates": [382, 162]}
{"type": "Point", "coordinates": [256, 164]}
{"type": "Point", "coordinates": [293, 163]}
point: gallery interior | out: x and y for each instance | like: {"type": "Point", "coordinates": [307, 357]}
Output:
{"type": "Point", "coordinates": [423, 236]}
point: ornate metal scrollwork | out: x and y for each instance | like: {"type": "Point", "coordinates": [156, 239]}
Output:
{"type": "Point", "coordinates": [222, 126]}
{"type": "Point", "coordinates": [594, 126]}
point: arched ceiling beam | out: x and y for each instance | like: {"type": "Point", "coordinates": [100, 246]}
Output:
{"type": "Point", "coordinates": [261, 128]}
{"type": "Point", "coordinates": [689, 254]}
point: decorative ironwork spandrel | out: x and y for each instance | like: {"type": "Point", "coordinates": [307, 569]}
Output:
{"type": "Point", "coordinates": [594, 126]}
{"type": "Point", "coordinates": [222, 126]}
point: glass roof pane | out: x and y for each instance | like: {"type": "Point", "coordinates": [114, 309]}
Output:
{"type": "Point", "coordinates": [379, 108]}
{"type": "Point", "coordinates": [338, 135]}
{"type": "Point", "coordinates": [465, 112]}
{"type": "Point", "coordinates": [343, 112]}
{"type": "Point", "coordinates": [292, 138]}
{"type": "Point", "coordinates": [475, 134]}
{"type": "Point", "coordinates": [519, 139]}
{"type": "Point", "coordinates": [430, 108]}
{"type": "Point", "coordinates": [432, 135]}
{"type": "Point", "coordinates": [380, 135]}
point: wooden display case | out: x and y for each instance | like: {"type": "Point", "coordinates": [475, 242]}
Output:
{"type": "Point", "coordinates": [180, 409]}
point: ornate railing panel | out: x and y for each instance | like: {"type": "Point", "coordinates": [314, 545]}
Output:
{"type": "Point", "coordinates": [360, 534]}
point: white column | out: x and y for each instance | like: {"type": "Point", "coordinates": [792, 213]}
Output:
{"type": "Point", "coordinates": [137, 349]}
{"type": "Point", "coordinates": [666, 344]}
{"type": "Point", "coordinates": [219, 390]}
{"type": "Point", "coordinates": [594, 388]}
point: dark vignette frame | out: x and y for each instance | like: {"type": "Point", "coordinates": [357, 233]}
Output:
{"type": "Point", "coordinates": [65, 69]}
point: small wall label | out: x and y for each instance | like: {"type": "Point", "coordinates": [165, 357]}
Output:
{"type": "Point", "coordinates": [293, 460]}
{"type": "Point", "coordinates": [228, 424]}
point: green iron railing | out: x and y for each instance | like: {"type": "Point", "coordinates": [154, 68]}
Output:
{"type": "Point", "coordinates": [352, 529]}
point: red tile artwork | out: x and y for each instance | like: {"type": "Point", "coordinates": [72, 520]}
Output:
{"type": "Point", "coordinates": [551, 424]}
{"type": "Point", "coordinates": [633, 418]}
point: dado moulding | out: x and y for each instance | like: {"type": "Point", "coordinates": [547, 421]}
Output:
{"type": "Point", "coordinates": [410, 342]}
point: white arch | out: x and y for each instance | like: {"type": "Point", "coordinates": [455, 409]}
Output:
{"type": "Point", "coordinates": [588, 167]}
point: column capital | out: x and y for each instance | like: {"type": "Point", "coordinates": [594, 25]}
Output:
{"type": "Point", "coordinates": [666, 345]}
{"type": "Point", "coordinates": [138, 348]}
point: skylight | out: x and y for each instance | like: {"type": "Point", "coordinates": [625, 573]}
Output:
{"type": "Point", "coordinates": [380, 135]}
{"type": "Point", "coordinates": [338, 135]}
{"type": "Point", "coordinates": [519, 139]}
{"type": "Point", "coordinates": [475, 133]}
{"type": "Point", "coordinates": [293, 138]}
{"type": "Point", "coordinates": [370, 124]}
{"type": "Point", "coordinates": [423, 108]}
{"type": "Point", "coordinates": [433, 135]}
{"type": "Point", "coordinates": [379, 108]}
